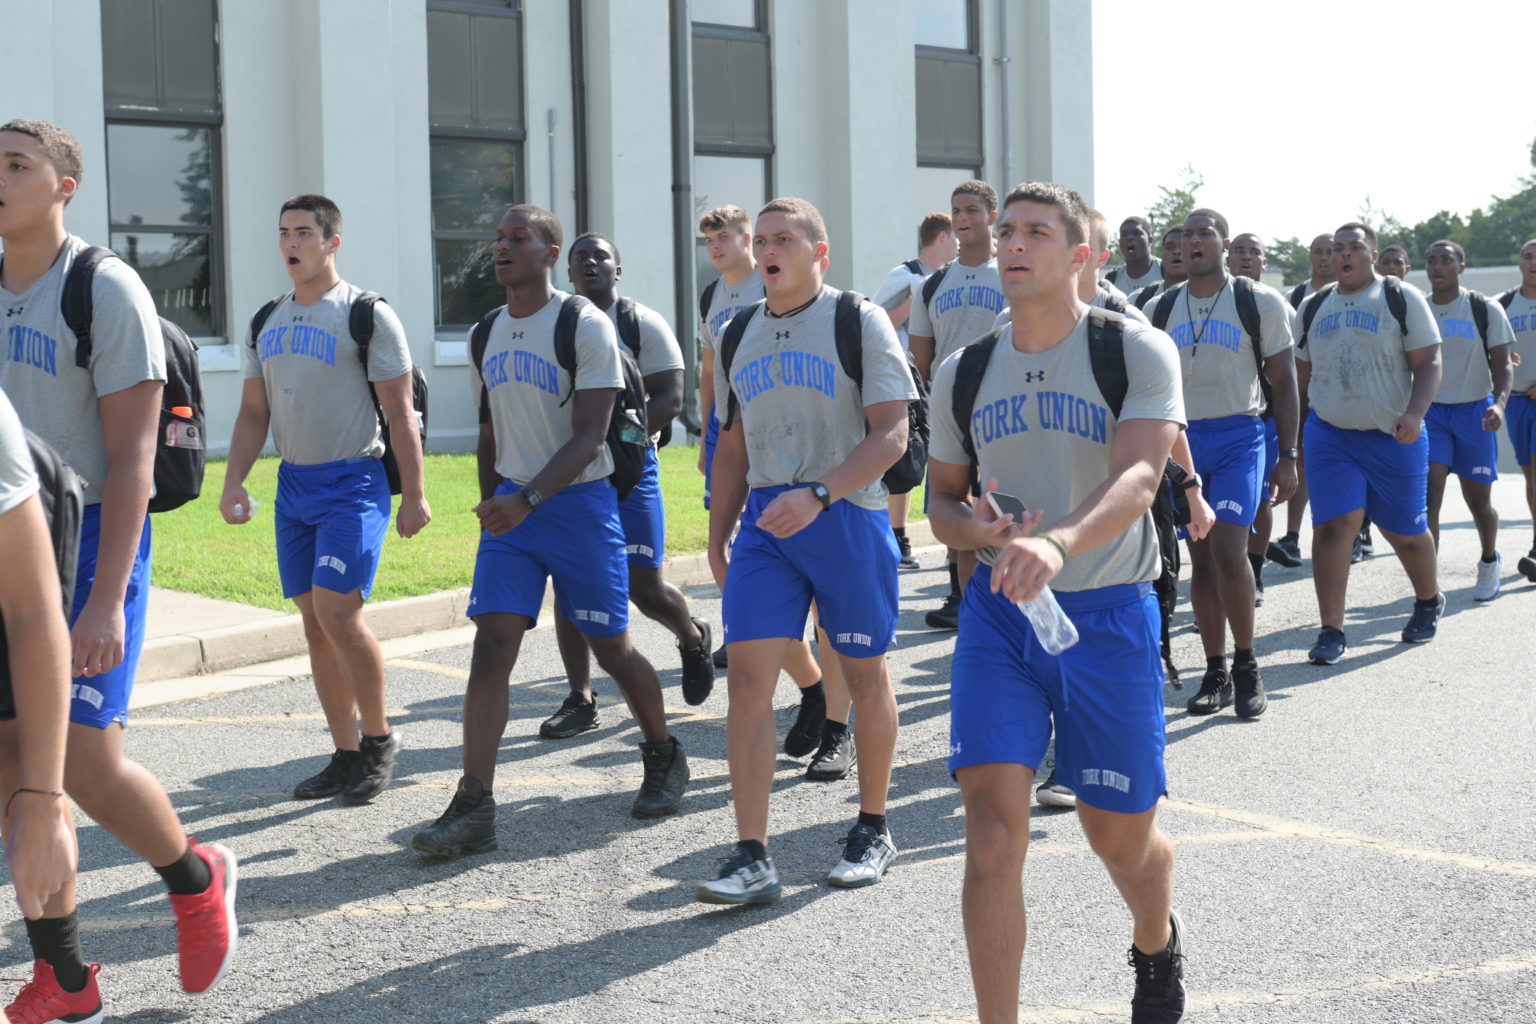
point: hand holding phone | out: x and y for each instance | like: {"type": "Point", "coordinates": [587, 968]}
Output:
{"type": "Point", "coordinates": [1008, 505]}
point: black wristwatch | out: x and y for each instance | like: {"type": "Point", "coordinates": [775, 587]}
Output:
{"type": "Point", "coordinates": [532, 497]}
{"type": "Point", "coordinates": [822, 494]}
{"type": "Point", "coordinates": [1290, 453]}
{"type": "Point", "coordinates": [1191, 482]}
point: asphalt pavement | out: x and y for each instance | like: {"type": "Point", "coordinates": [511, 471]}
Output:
{"type": "Point", "coordinates": [1361, 853]}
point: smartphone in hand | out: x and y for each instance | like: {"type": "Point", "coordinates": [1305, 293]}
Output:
{"type": "Point", "coordinates": [1007, 505]}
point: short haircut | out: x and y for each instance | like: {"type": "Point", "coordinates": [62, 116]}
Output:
{"type": "Point", "coordinates": [58, 146]}
{"type": "Point", "coordinates": [1098, 230]}
{"type": "Point", "coordinates": [1365, 229]}
{"type": "Point", "coordinates": [1074, 212]}
{"type": "Point", "coordinates": [610, 243]}
{"type": "Point", "coordinates": [1258, 239]}
{"type": "Point", "coordinates": [727, 216]}
{"type": "Point", "coordinates": [806, 217]}
{"type": "Point", "coordinates": [544, 222]}
{"type": "Point", "coordinates": [1399, 249]}
{"type": "Point", "coordinates": [1528, 242]}
{"type": "Point", "coordinates": [1216, 218]}
{"type": "Point", "coordinates": [1461, 254]}
{"type": "Point", "coordinates": [977, 187]}
{"type": "Point", "coordinates": [1177, 229]}
{"type": "Point", "coordinates": [933, 225]}
{"type": "Point", "coordinates": [1140, 222]}
{"type": "Point", "coordinates": [327, 213]}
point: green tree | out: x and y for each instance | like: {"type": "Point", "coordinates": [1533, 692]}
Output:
{"type": "Point", "coordinates": [1290, 257]}
{"type": "Point", "coordinates": [1172, 206]}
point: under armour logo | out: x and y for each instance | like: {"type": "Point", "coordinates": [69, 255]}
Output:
{"type": "Point", "coordinates": [969, 277]}
{"type": "Point", "coordinates": [780, 335]}
{"type": "Point", "coordinates": [1205, 310]}
{"type": "Point", "coordinates": [298, 319]}
{"type": "Point", "coordinates": [11, 311]}
{"type": "Point", "coordinates": [1033, 375]}
{"type": "Point", "coordinates": [517, 335]}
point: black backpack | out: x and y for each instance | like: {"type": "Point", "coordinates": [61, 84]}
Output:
{"type": "Point", "coordinates": [1247, 315]}
{"type": "Point", "coordinates": [1298, 294]}
{"type": "Point", "coordinates": [1506, 299]}
{"type": "Point", "coordinates": [628, 321]}
{"type": "Point", "coordinates": [360, 326]}
{"type": "Point", "coordinates": [63, 500]}
{"type": "Point", "coordinates": [629, 438]}
{"type": "Point", "coordinates": [1391, 288]}
{"type": "Point", "coordinates": [180, 450]}
{"type": "Point", "coordinates": [1145, 294]}
{"type": "Point", "coordinates": [848, 332]}
{"type": "Point", "coordinates": [934, 280]}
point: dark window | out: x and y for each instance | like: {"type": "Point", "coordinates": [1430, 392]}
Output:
{"type": "Point", "coordinates": [732, 80]}
{"type": "Point", "coordinates": [475, 100]}
{"type": "Point", "coordinates": [948, 84]}
{"type": "Point", "coordinates": [160, 71]}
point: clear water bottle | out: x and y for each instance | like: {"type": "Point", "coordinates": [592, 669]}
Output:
{"type": "Point", "coordinates": [1052, 627]}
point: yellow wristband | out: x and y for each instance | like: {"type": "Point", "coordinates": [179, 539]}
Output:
{"type": "Point", "coordinates": [1058, 545]}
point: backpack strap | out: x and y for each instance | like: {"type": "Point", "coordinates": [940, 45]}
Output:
{"type": "Point", "coordinates": [77, 301]}
{"type": "Point", "coordinates": [931, 286]}
{"type": "Point", "coordinates": [360, 322]}
{"type": "Point", "coordinates": [1392, 288]}
{"type": "Point", "coordinates": [1309, 311]}
{"type": "Point", "coordinates": [1479, 305]}
{"type": "Point", "coordinates": [730, 341]}
{"type": "Point", "coordinates": [565, 339]}
{"type": "Point", "coordinates": [1113, 277]}
{"type": "Point", "coordinates": [848, 331]}
{"type": "Point", "coordinates": [1297, 294]}
{"type": "Point", "coordinates": [705, 298]}
{"type": "Point", "coordinates": [1506, 299]}
{"type": "Point", "coordinates": [1253, 324]}
{"type": "Point", "coordinates": [628, 322]}
{"type": "Point", "coordinates": [259, 321]}
{"type": "Point", "coordinates": [1106, 353]}
{"type": "Point", "coordinates": [1164, 308]}
{"type": "Point", "coordinates": [974, 359]}
{"type": "Point", "coordinates": [479, 337]}
{"type": "Point", "coordinates": [914, 266]}
{"type": "Point", "coordinates": [1144, 295]}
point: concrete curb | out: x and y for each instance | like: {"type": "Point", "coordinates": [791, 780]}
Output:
{"type": "Point", "coordinates": [273, 636]}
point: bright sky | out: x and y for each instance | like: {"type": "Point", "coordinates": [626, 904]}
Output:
{"type": "Point", "coordinates": [1294, 112]}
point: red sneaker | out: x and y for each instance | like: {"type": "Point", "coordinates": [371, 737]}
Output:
{"type": "Point", "coordinates": [42, 1001]}
{"type": "Point", "coordinates": [206, 931]}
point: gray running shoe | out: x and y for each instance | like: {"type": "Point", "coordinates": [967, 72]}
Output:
{"type": "Point", "coordinates": [743, 879]}
{"type": "Point", "coordinates": [866, 855]}
{"type": "Point", "coordinates": [1051, 793]}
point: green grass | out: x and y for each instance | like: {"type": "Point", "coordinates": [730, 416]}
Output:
{"type": "Point", "coordinates": [198, 553]}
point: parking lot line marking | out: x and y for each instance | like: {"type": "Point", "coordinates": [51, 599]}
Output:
{"type": "Point", "coordinates": [429, 666]}
{"type": "Point", "coordinates": [1304, 830]}
{"type": "Point", "coordinates": [246, 719]}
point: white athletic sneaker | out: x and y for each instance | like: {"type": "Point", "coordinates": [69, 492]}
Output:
{"type": "Point", "coordinates": [742, 879]}
{"type": "Point", "coordinates": [1489, 578]}
{"type": "Point", "coordinates": [866, 855]}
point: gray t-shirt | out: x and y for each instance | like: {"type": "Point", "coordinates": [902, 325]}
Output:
{"type": "Point", "coordinates": [968, 299]}
{"type": "Point", "coordinates": [659, 350]}
{"type": "Point", "coordinates": [1464, 373]}
{"type": "Point", "coordinates": [57, 400]}
{"type": "Point", "coordinates": [1361, 379]}
{"type": "Point", "coordinates": [726, 302]}
{"type": "Point", "coordinates": [802, 414]}
{"type": "Point", "coordinates": [1522, 321]}
{"type": "Point", "coordinates": [1121, 277]}
{"type": "Point", "coordinates": [900, 285]}
{"type": "Point", "coordinates": [18, 477]}
{"type": "Point", "coordinates": [317, 386]}
{"type": "Point", "coordinates": [1216, 354]}
{"type": "Point", "coordinates": [527, 386]}
{"type": "Point", "coordinates": [1042, 428]}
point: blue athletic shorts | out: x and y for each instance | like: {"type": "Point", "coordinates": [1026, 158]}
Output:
{"type": "Point", "coordinates": [331, 519]}
{"type": "Point", "coordinates": [102, 699]}
{"type": "Point", "coordinates": [643, 516]}
{"type": "Point", "coordinates": [1520, 421]}
{"type": "Point", "coordinates": [1105, 693]}
{"type": "Point", "coordinates": [711, 435]}
{"type": "Point", "coordinates": [1271, 453]}
{"type": "Point", "coordinates": [1457, 439]}
{"type": "Point", "coordinates": [574, 538]}
{"type": "Point", "coordinates": [846, 559]}
{"type": "Point", "coordinates": [1355, 469]}
{"type": "Point", "coordinates": [1229, 456]}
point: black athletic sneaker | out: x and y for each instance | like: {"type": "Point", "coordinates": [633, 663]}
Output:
{"type": "Point", "coordinates": [374, 767]}
{"type": "Point", "coordinates": [467, 826]}
{"type": "Point", "coordinates": [328, 781]}
{"type": "Point", "coordinates": [1159, 997]}
{"type": "Point", "coordinates": [698, 667]}
{"type": "Point", "coordinates": [835, 758]}
{"type": "Point", "coordinates": [1286, 551]}
{"type": "Point", "coordinates": [1329, 648]}
{"type": "Point", "coordinates": [1258, 591]}
{"type": "Point", "coordinates": [1527, 565]}
{"type": "Point", "coordinates": [947, 615]}
{"type": "Point", "coordinates": [1249, 701]}
{"type": "Point", "coordinates": [720, 659]}
{"type": "Point", "coordinates": [666, 776]}
{"type": "Point", "coordinates": [1367, 546]}
{"type": "Point", "coordinates": [1424, 621]}
{"type": "Point", "coordinates": [1215, 694]}
{"type": "Point", "coordinates": [576, 715]}
{"type": "Point", "coordinates": [805, 734]}
{"type": "Point", "coordinates": [1357, 552]}
{"type": "Point", "coordinates": [904, 545]}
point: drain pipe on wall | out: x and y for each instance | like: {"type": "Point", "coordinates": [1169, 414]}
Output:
{"type": "Point", "coordinates": [686, 293]}
{"type": "Point", "coordinates": [579, 112]}
{"type": "Point", "coordinates": [1002, 60]}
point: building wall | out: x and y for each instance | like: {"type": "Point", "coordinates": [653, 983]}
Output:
{"type": "Point", "coordinates": [332, 97]}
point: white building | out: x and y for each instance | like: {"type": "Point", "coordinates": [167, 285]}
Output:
{"type": "Point", "coordinates": [424, 119]}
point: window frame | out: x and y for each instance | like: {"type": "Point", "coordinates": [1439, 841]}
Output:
{"type": "Point", "coordinates": [972, 56]}
{"type": "Point", "coordinates": [765, 151]}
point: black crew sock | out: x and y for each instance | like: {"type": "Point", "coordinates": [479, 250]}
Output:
{"type": "Point", "coordinates": [1257, 561]}
{"type": "Point", "coordinates": [1216, 664]}
{"type": "Point", "coordinates": [954, 579]}
{"type": "Point", "coordinates": [188, 875]}
{"type": "Point", "coordinates": [56, 940]}
{"type": "Point", "coordinates": [1490, 561]}
{"type": "Point", "coordinates": [1242, 655]}
{"type": "Point", "coordinates": [755, 848]}
{"type": "Point", "coordinates": [813, 694]}
{"type": "Point", "coordinates": [900, 531]}
{"type": "Point", "coordinates": [831, 729]}
{"type": "Point", "coordinates": [1427, 604]}
{"type": "Point", "coordinates": [375, 741]}
{"type": "Point", "coordinates": [874, 821]}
